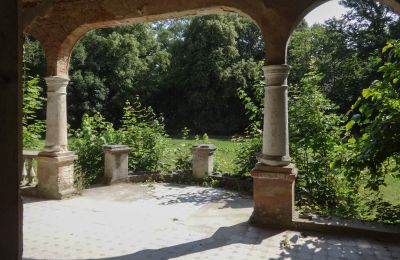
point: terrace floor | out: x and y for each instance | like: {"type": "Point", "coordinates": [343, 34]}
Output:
{"type": "Point", "coordinates": [164, 221]}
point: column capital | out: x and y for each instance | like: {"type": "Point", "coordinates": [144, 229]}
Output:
{"type": "Point", "coordinates": [276, 75]}
{"type": "Point", "coordinates": [57, 84]}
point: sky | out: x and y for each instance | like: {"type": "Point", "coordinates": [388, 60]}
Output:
{"type": "Point", "coordinates": [324, 12]}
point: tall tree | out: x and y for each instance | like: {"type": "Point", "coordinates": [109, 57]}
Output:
{"type": "Point", "coordinates": [345, 51]}
{"type": "Point", "coordinates": [206, 70]}
{"type": "Point", "coordinates": [110, 66]}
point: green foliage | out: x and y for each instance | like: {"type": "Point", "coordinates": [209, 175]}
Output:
{"type": "Point", "coordinates": [377, 209]}
{"type": "Point", "coordinates": [197, 63]}
{"type": "Point", "coordinates": [314, 134]}
{"type": "Point", "coordinates": [183, 159]}
{"type": "Point", "coordinates": [208, 64]}
{"type": "Point", "coordinates": [372, 147]}
{"type": "Point", "coordinates": [140, 129]}
{"type": "Point", "coordinates": [144, 133]}
{"type": "Point", "coordinates": [386, 212]}
{"type": "Point", "coordinates": [34, 61]}
{"type": "Point", "coordinates": [246, 155]}
{"type": "Point", "coordinates": [88, 145]}
{"type": "Point", "coordinates": [33, 129]}
{"type": "Point", "coordinates": [205, 138]}
{"type": "Point", "coordinates": [252, 99]}
{"type": "Point", "coordinates": [34, 64]}
{"type": "Point", "coordinates": [109, 66]}
{"type": "Point", "coordinates": [345, 51]}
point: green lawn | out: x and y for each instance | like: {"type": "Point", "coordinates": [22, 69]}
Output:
{"type": "Point", "coordinates": [391, 192]}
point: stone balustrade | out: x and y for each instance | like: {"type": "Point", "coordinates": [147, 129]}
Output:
{"type": "Point", "coordinates": [28, 174]}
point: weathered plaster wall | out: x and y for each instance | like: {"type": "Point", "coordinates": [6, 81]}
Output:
{"type": "Point", "coordinates": [10, 130]}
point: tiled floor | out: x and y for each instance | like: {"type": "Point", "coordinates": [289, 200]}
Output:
{"type": "Point", "coordinates": [162, 221]}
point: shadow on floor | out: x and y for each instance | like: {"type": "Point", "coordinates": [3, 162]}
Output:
{"type": "Point", "coordinates": [222, 237]}
{"type": "Point", "coordinates": [202, 197]}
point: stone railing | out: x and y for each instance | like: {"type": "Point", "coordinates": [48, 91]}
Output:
{"type": "Point", "coordinates": [28, 174]}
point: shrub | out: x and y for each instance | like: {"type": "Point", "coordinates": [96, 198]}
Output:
{"type": "Point", "coordinates": [314, 133]}
{"type": "Point", "coordinates": [144, 133]}
{"type": "Point", "coordinates": [373, 129]}
{"type": "Point", "coordinates": [140, 129]}
{"type": "Point", "coordinates": [246, 155]}
{"type": "Point", "coordinates": [88, 145]}
{"type": "Point", "coordinates": [183, 159]}
{"type": "Point", "coordinates": [33, 129]}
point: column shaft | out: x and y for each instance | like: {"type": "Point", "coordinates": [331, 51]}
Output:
{"type": "Point", "coordinates": [275, 151]}
{"type": "Point", "coordinates": [56, 115]}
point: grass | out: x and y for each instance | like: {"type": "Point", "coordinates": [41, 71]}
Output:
{"type": "Point", "coordinates": [391, 192]}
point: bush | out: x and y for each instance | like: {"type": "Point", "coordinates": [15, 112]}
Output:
{"type": "Point", "coordinates": [183, 159]}
{"type": "Point", "coordinates": [140, 129]}
{"type": "Point", "coordinates": [144, 133]}
{"type": "Point", "coordinates": [373, 127]}
{"type": "Point", "coordinates": [88, 145]}
{"type": "Point", "coordinates": [246, 155]}
{"type": "Point", "coordinates": [32, 128]}
{"type": "Point", "coordinates": [314, 134]}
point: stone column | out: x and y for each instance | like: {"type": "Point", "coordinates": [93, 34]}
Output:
{"type": "Point", "coordinates": [116, 163]}
{"type": "Point", "coordinates": [274, 176]}
{"type": "Point", "coordinates": [203, 160]}
{"type": "Point", "coordinates": [275, 151]}
{"type": "Point", "coordinates": [56, 116]}
{"type": "Point", "coordinates": [55, 163]}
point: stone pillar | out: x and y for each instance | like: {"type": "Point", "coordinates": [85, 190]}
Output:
{"type": "Point", "coordinates": [116, 163]}
{"type": "Point", "coordinates": [274, 176]}
{"type": "Point", "coordinates": [275, 150]}
{"type": "Point", "coordinates": [56, 164]}
{"type": "Point", "coordinates": [56, 116]}
{"type": "Point", "coordinates": [203, 160]}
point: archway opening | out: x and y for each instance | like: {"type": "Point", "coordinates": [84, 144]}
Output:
{"type": "Point", "coordinates": [218, 55]}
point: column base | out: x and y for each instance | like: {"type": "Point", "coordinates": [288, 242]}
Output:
{"type": "Point", "coordinates": [273, 160]}
{"type": "Point", "coordinates": [273, 195]}
{"type": "Point", "coordinates": [55, 175]}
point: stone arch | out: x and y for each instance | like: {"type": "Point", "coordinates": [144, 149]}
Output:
{"type": "Point", "coordinates": [61, 39]}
